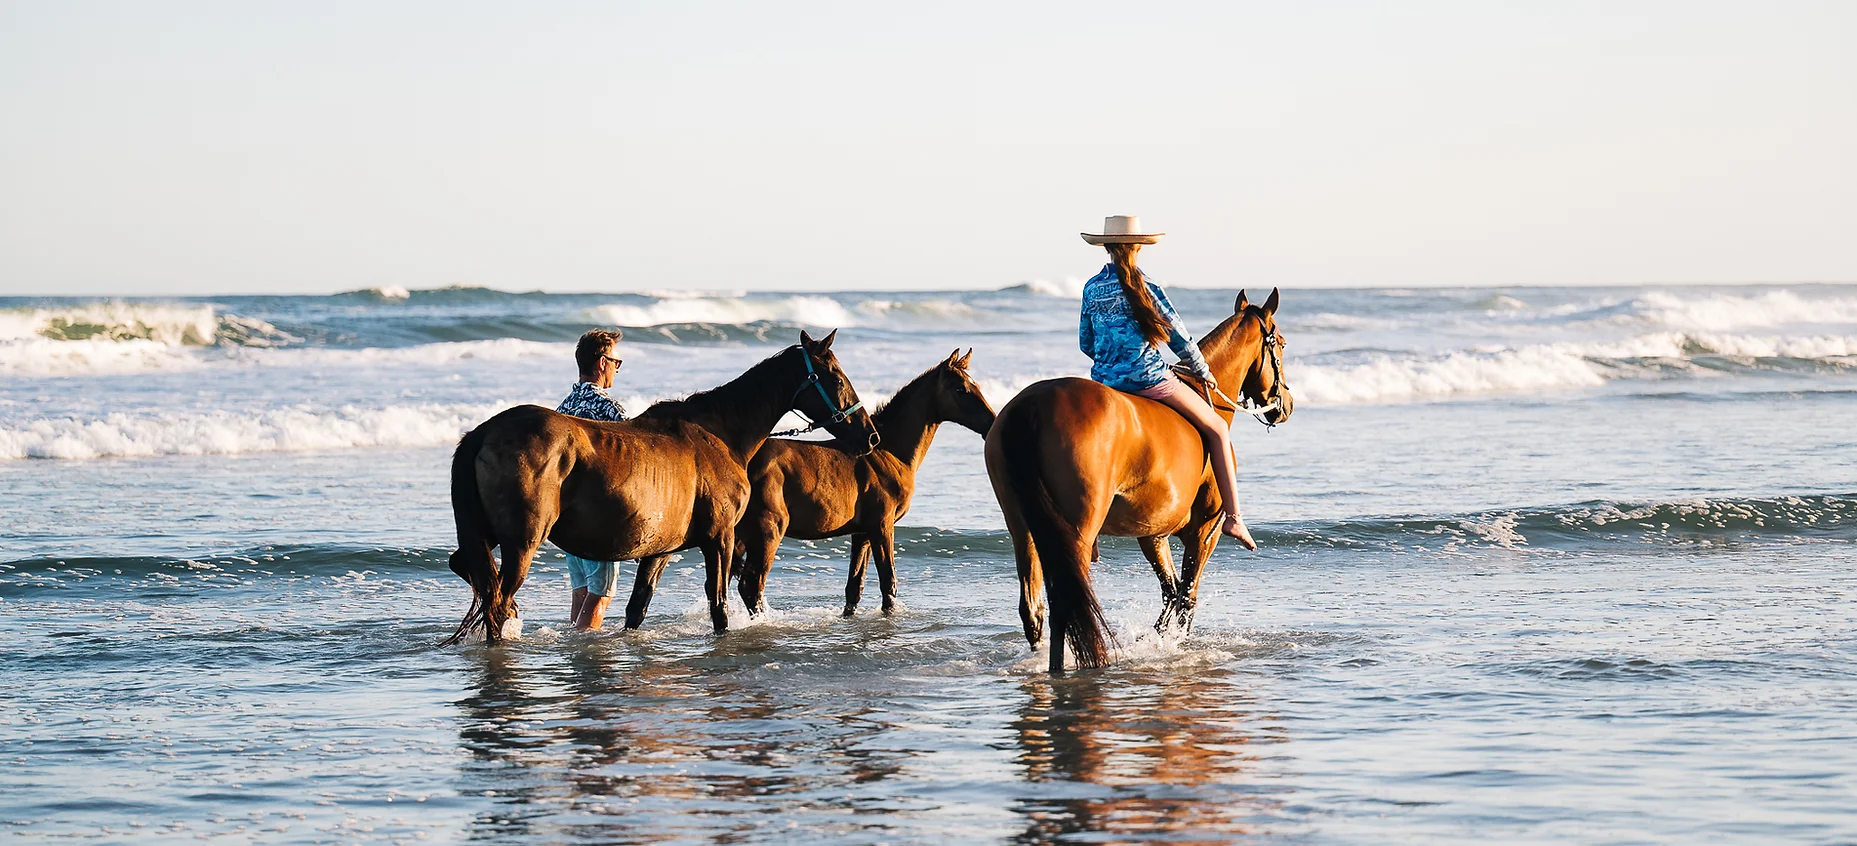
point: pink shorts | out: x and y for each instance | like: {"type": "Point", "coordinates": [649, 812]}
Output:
{"type": "Point", "coordinates": [1168, 387]}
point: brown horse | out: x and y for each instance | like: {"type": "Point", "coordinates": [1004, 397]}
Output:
{"type": "Point", "coordinates": [811, 490]}
{"type": "Point", "coordinates": [675, 477]}
{"type": "Point", "coordinates": [1072, 459]}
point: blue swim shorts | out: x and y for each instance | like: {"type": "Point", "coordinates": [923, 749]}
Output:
{"type": "Point", "coordinates": [600, 578]}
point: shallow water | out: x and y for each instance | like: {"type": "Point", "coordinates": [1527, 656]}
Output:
{"type": "Point", "coordinates": [1490, 605]}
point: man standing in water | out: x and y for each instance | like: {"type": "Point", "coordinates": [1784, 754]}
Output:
{"type": "Point", "coordinates": [593, 582]}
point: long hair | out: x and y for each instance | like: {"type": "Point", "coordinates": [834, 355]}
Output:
{"type": "Point", "coordinates": [1141, 304]}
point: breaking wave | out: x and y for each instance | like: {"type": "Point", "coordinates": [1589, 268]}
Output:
{"type": "Point", "coordinates": [800, 310]}
{"type": "Point", "coordinates": [1377, 376]}
{"type": "Point", "coordinates": [1727, 312]}
{"type": "Point", "coordinates": [226, 432]}
{"type": "Point", "coordinates": [172, 325]}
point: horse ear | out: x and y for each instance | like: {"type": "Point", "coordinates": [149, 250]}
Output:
{"type": "Point", "coordinates": [953, 359]}
{"type": "Point", "coordinates": [1270, 305]}
{"type": "Point", "coordinates": [806, 338]}
{"type": "Point", "coordinates": [967, 358]}
{"type": "Point", "coordinates": [825, 343]}
{"type": "Point", "coordinates": [1239, 304]}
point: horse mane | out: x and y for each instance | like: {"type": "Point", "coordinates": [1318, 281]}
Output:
{"type": "Point", "coordinates": [719, 397]}
{"type": "Point", "coordinates": [882, 413]}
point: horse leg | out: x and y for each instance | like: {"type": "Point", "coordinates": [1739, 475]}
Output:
{"type": "Point", "coordinates": [756, 549]}
{"type": "Point", "coordinates": [1031, 583]}
{"type": "Point", "coordinates": [854, 578]}
{"type": "Point", "coordinates": [883, 548]}
{"type": "Point", "coordinates": [1199, 542]}
{"type": "Point", "coordinates": [517, 556]}
{"type": "Point", "coordinates": [718, 555]}
{"type": "Point", "coordinates": [1159, 556]}
{"type": "Point", "coordinates": [649, 569]}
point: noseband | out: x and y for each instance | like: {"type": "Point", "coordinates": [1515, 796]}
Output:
{"type": "Point", "coordinates": [812, 379]}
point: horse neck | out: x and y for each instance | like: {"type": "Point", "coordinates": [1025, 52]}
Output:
{"type": "Point", "coordinates": [905, 425]}
{"type": "Point", "coordinates": [1231, 352]}
{"type": "Point", "coordinates": [742, 411]}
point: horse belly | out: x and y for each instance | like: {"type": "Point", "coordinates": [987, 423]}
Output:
{"type": "Point", "coordinates": [629, 520]}
{"type": "Point", "coordinates": [1159, 502]}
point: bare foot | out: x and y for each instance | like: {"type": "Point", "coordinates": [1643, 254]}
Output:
{"type": "Point", "coordinates": [1234, 528]}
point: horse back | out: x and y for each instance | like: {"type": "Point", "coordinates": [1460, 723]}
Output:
{"type": "Point", "coordinates": [1129, 462]}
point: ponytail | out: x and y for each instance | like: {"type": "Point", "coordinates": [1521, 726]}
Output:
{"type": "Point", "coordinates": [1141, 304]}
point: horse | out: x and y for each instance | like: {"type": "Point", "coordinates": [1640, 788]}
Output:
{"type": "Point", "coordinates": [673, 478]}
{"type": "Point", "coordinates": [1071, 459]}
{"type": "Point", "coordinates": [811, 490]}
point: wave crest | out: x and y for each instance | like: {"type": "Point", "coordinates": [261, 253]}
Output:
{"type": "Point", "coordinates": [226, 433]}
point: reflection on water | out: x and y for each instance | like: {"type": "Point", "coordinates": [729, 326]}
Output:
{"type": "Point", "coordinates": [1169, 754]}
{"type": "Point", "coordinates": [595, 740]}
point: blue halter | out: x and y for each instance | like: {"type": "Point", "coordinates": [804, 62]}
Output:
{"type": "Point", "coordinates": [812, 378]}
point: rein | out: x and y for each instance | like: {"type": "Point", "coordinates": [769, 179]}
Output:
{"type": "Point", "coordinates": [1273, 352]}
{"type": "Point", "coordinates": [812, 379]}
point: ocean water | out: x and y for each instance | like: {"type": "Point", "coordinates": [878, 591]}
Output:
{"type": "Point", "coordinates": [1538, 565]}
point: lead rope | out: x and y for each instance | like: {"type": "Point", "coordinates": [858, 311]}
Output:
{"type": "Point", "coordinates": [812, 378]}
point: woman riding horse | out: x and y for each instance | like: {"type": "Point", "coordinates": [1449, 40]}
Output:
{"type": "Point", "coordinates": [1125, 319]}
{"type": "Point", "coordinates": [1127, 455]}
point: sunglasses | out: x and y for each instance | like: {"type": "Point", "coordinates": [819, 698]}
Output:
{"type": "Point", "coordinates": [616, 361]}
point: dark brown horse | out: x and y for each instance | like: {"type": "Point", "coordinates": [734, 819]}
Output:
{"type": "Point", "coordinates": [1072, 459]}
{"type": "Point", "coordinates": [675, 477]}
{"type": "Point", "coordinates": [811, 490]}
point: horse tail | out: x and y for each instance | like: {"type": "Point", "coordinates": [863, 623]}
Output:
{"type": "Point", "coordinates": [1076, 615]}
{"type": "Point", "coordinates": [472, 562]}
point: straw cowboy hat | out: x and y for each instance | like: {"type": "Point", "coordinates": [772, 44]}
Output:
{"type": "Point", "coordinates": [1122, 229]}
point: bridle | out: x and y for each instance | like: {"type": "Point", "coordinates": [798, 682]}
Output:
{"type": "Point", "coordinates": [812, 380]}
{"type": "Point", "coordinates": [1273, 355]}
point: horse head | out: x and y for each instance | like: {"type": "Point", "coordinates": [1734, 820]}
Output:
{"type": "Point", "coordinates": [834, 400]}
{"type": "Point", "coordinates": [957, 399]}
{"type": "Point", "coordinates": [1249, 341]}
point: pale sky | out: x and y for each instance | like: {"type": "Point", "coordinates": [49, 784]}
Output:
{"type": "Point", "coordinates": [269, 147]}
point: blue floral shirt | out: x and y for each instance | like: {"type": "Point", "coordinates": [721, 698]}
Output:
{"type": "Point", "coordinates": [590, 401]}
{"type": "Point", "coordinates": [1108, 334]}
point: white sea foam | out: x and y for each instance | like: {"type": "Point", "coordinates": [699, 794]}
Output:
{"type": "Point", "coordinates": [224, 433]}
{"type": "Point", "coordinates": [1389, 378]}
{"type": "Point", "coordinates": [808, 310]}
{"type": "Point", "coordinates": [166, 324]}
{"type": "Point", "coordinates": [46, 357]}
{"type": "Point", "coordinates": [500, 349]}
{"type": "Point", "coordinates": [1536, 367]}
{"type": "Point", "coordinates": [1723, 312]}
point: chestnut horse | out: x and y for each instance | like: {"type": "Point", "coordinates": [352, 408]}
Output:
{"type": "Point", "coordinates": [673, 478]}
{"type": "Point", "coordinates": [812, 490]}
{"type": "Point", "coordinates": [1073, 459]}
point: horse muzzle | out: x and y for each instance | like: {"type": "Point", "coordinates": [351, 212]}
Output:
{"type": "Point", "coordinates": [1286, 405]}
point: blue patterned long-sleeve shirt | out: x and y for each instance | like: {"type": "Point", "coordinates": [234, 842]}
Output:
{"type": "Point", "coordinates": [589, 401]}
{"type": "Point", "coordinates": [1108, 334]}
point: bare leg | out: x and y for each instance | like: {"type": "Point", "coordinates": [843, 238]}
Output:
{"type": "Point", "coordinates": [854, 579]}
{"type": "Point", "coordinates": [1213, 429]}
{"type": "Point", "coordinates": [649, 569]}
{"type": "Point", "coordinates": [592, 613]}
